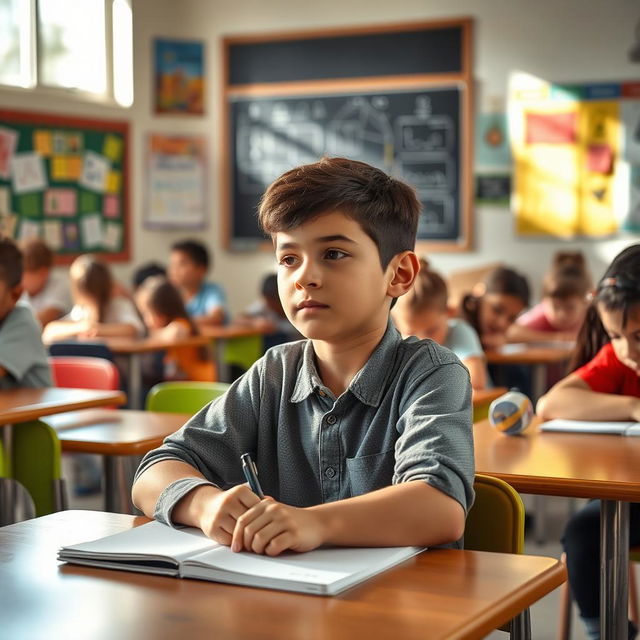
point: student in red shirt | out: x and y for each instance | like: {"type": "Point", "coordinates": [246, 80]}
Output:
{"type": "Point", "coordinates": [604, 385]}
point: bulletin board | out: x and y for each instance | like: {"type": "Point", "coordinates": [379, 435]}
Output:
{"type": "Point", "coordinates": [577, 157]}
{"type": "Point", "coordinates": [396, 96]}
{"type": "Point", "coordinates": [65, 180]}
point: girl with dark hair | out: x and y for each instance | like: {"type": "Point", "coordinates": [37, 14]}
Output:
{"type": "Point", "coordinates": [560, 313]}
{"type": "Point", "coordinates": [98, 311]}
{"type": "Point", "coordinates": [164, 313]}
{"type": "Point", "coordinates": [495, 304]}
{"type": "Point", "coordinates": [604, 385]}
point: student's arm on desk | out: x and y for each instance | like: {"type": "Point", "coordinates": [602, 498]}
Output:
{"type": "Point", "coordinates": [49, 314]}
{"type": "Point", "coordinates": [519, 333]}
{"type": "Point", "coordinates": [63, 329]}
{"type": "Point", "coordinates": [411, 513]}
{"type": "Point", "coordinates": [572, 398]}
{"type": "Point", "coordinates": [214, 318]}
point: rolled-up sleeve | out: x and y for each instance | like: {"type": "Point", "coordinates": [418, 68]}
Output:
{"type": "Point", "coordinates": [436, 433]}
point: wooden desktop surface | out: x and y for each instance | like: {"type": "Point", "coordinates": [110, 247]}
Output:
{"type": "Point", "coordinates": [563, 464]}
{"type": "Point", "coordinates": [530, 354]}
{"type": "Point", "coordinates": [121, 433]}
{"type": "Point", "coordinates": [438, 594]}
{"type": "Point", "coordinates": [481, 397]}
{"type": "Point", "coordinates": [20, 405]}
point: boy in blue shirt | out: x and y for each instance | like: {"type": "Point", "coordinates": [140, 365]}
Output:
{"type": "Point", "coordinates": [188, 265]}
{"type": "Point", "coordinates": [23, 358]}
{"type": "Point", "coordinates": [360, 438]}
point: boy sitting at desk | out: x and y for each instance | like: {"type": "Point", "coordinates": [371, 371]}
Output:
{"type": "Point", "coordinates": [188, 266]}
{"type": "Point", "coordinates": [360, 438]}
{"type": "Point", "coordinates": [23, 359]}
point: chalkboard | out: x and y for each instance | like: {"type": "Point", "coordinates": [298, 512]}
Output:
{"type": "Point", "coordinates": [412, 134]}
{"type": "Point", "coordinates": [65, 180]}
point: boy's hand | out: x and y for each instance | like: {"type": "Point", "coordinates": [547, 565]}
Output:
{"type": "Point", "coordinates": [271, 527]}
{"type": "Point", "coordinates": [220, 514]}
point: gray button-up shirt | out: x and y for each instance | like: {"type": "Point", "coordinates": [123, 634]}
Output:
{"type": "Point", "coordinates": [405, 416]}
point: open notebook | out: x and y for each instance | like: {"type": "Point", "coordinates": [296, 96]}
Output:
{"type": "Point", "coordinates": [592, 426]}
{"type": "Point", "coordinates": [188, 553]}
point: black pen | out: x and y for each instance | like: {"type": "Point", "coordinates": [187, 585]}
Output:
{"type": "Point", "coordinates": [251, 474]}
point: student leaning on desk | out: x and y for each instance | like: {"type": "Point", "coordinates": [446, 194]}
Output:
{"type": "Point", "coordinates": [23, 358]}
{"type": "Point", "coordinates": [360, 438]}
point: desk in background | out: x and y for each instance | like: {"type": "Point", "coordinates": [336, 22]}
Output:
{"type": "Point", "coordinates": [121, 437]}
{"type": "Point", "coordinates": [581, 466]}
{"type": "Point", "coordinates": [438, 594]}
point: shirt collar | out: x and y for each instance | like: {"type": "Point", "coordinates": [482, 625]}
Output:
{"type": "Point", "coordinates": [367, 385]}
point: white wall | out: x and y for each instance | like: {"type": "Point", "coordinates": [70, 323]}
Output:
{"type": "Point", "coordinates": [558, 40]}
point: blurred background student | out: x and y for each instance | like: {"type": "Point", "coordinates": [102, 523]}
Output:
{"type": "Point", "coordinates": [46, 291]}
{"type": "Point", "coordinates": [560, 313]}
{"type": "Point", "coordinates": [97, 311]}
{"type": "Point", "coordinates": [205, 302]}
{"type": "Point", "coordinates": [267, 315]}
{"type": "Point", "coordinates": [422, 312]}
{"type": "Point", "coordinates": [166, 318]}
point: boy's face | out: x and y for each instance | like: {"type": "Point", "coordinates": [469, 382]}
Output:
{"type": "Point", "coordinates": [34, 281]}
{"type": "Point", "coordinates": [8, 298]}
{"type": "Point", "coordinates": [330, 280]}
{"type": "Point", "coordinates": [184, 272]}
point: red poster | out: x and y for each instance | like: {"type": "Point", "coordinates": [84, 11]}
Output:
{"type": "Point", "coordinates": [551, 128]}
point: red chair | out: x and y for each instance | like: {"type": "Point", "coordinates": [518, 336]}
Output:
{"type": "Point", "coordinates": [84, 372]}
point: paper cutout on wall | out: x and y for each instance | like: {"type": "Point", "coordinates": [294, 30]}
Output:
{"type": "Point", "coordinates": [95, 170]}
{"type": "Point", "coordinates": [91, 230]}
{"type": "Point", "coordinates": [111, 207]}
{"type": "Point", "coordinates": [70, 236]}
{"type": "Point", "coordinates": [53, 234]}
{"type": "Point", "coordinates": [30, 204]}
{"type": "Point", "coordinates": [8, 142]}
{"type": "Point", "coordinates": [28, 230]}
{"type": "Point", "coordinates": [5, 201]}
{"type": "Point", "coordinates": [551, 128]}
{"type": "Point", "coordinates": [112, 236]}
{"type": "Point", "coordinates": [112, 148]}
{"type": "Point", "coordinates": [27, 172]}
{"type": "Point", "coordinates": [42, 142]}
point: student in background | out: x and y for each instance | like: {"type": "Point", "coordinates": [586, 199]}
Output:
{"type": "Point", "coordinates": [422, 312]}
{"type": "Point", "coordinates": [188, 265]}
{"type": "Point", "coordinates": [23, 358]}
{"type": "Point", "coordinates": [561, 312]}
{"type": "Point", "coordinates": [495, 304]}
{"type": "Point", "coordinates": [97, 311]}
{"type": "Point", "coordinates": [46, 291]}
{"type": "Point", "coordinates": [147, 270]}
{"type": "Point", "coordinates": [166, 318]}
{"type": "Point", "coordinates": [604, 385]}
{"type": "Point", "coordinates": [267, 315]}
{"type": "Point", "coordinates": [360, 438]}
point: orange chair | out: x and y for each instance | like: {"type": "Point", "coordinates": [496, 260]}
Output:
{"type": "Point", "coordinates": [84, 372]}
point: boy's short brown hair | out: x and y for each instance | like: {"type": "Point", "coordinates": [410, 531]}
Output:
{"type": "Point", "coordinates": [36, 255]}
{"type": "Point", "coordinates": [10, 263]}
{"type": "Point", "coordinates": [386, 209]}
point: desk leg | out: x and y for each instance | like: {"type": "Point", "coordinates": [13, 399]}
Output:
{"type": "Point", "coordinates": [521, 626]}
{"type": "Point", "coordinates": [224, 374]}
{"type": "Point", "coordinates": [614, 569]}
{"type": "Point", "coordinates": [118, 477]}
{"type": "Point", "coordinates": [135, 381]}
{"type": "Point", "coordinates": [539, 382]}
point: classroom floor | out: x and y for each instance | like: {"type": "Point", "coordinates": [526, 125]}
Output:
{"type": "Point", "coordinates": [544, 614]}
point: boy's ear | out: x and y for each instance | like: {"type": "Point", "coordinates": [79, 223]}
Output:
{"type": "Point", "coordinates": [16, 292]}
{"type": "Point", "coordinates": [403, 269]}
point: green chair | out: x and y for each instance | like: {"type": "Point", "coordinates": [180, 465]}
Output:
{"type": "Point", "coordinates": [35, 464]}
{"type": "Point", "coordinates": [244, 351]}
{"type": "Point", "coordinates": [183, 397]}
{"type": "Point", "coordinates": [495, 523]}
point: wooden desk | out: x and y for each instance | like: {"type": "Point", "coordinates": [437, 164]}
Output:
{"type": "Point", "coordinates": [21, 405]}
{"type": "Point", "coordinates": [132, 348]}
{"type": "Point", "coordinates": [439, 594]}
{"type": "Point", "coordinates": [113, 434]}
{"type": "Point", "coordinates": [482, 398]}
{"type": "Point", "coordinates": [576, 465]}
{"type": "Point", "coordinates": [535, 355]}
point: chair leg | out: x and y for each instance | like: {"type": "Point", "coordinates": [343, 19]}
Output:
{"type": "Point", "coordinates": [521, 626]}
{"type": "Point", "coordinates": [633, 595]}
{"type": "Point", "coordinates": [564, 621]}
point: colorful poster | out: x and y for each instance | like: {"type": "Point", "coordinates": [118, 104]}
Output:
{"type": "Point", "coordinates": [492, 147]}
{"type": "Point", "coordinates": [95, 172]}
{"type": "Point", "coordinates": [8, 142]}
{"type": "Point", "coordinates": [27, 171]}
{"type": "Point", "coordinates": [179, 76]}
{"type": "Point", "coordinates": [176, 182]}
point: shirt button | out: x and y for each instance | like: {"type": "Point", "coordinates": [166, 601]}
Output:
{"type": "Point", "coordinates": [331, 419]}
{"type": "Point", "coordinates": [329, 472]}
{"type": "Point", "coordinates": [321, 393]}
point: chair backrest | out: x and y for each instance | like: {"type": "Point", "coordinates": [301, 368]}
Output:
{"type": "Point", "coordinates": [83, 372]}
{"type": "Point", "coordinates": [243, 351]}
{"type": "Point", "coordinates": [35, 463]}
{"type": "Point", "coordinates": [183, 397]}
{"type": "Point", "coordinates": [496, 520]}
{"type": "Point", "coordinates": [81, 348]}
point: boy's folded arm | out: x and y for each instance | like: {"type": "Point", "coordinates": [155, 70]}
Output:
{"type": "Point", "coordinates": [410, 513]}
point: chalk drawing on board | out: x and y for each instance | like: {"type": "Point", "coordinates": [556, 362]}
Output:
{"type": "Point", "coordinates": [437, 212]}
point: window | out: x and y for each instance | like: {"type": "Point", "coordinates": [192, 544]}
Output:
{"type": "Point", "coordinates": [83, 46]}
